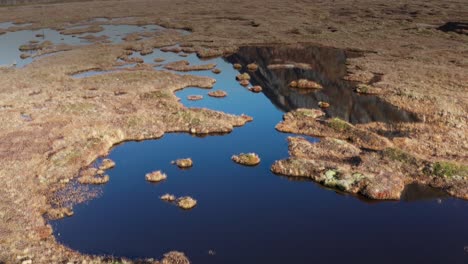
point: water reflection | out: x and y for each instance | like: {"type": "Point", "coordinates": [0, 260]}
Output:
{"type": "Point", "coordinates": [324, 65]}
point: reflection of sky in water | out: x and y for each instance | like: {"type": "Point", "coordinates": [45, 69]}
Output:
{"type": "Point", "coordinates": [247, 214]}
{"type": "Point", "coordinates": [11, 41]}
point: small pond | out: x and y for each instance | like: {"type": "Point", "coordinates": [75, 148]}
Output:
{"type": "Point", "coordinates": [248, 214]}
{"type": "Point", "coordinates": [10, 42]}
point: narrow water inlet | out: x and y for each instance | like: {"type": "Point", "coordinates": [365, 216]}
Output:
{"type": "Point", "coordinates": [247, 214]}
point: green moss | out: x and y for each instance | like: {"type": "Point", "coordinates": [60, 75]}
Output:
{"type": "Point", "coordinates": [339, 124]}
{"type": "Point", "coordinates": [448, 169]}
{"type": "Point", "coordinates": [399, 155]}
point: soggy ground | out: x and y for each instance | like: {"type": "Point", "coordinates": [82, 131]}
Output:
{"type": "Point", "coordinates": [55, 123]}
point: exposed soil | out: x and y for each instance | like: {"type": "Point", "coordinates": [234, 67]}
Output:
{"type": "Point", "coordinates": [54, 125]}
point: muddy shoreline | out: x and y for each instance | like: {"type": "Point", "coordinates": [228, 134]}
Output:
{"type": "Point", "coordinates": [422, 70]}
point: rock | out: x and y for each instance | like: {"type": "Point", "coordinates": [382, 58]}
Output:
{"type": "Point", "coordinates": [59, 213]}
{"type": "Point", "coordinates": [244, 82]}
{"type": "Point", "coordinates": [155, 176]}
{"type": "Point", "coordinates": [243, 76]}
{"type": "Point", "coordinates": [28, 261]}
{"type": "Point", "coordinates": [237, 66]}
{"type": "Point", "coordinates": [218, 93]}
{"type": "Point", "coordinates": [256, 89]}
{"type": "Point", "coordinates": [293, 84]}
{"type": "Point", "coordinates": [168, 197]}
{"type": "Point", "coordinates": [184, 163]}
{"type": "Point", "coordinates": [186, 202]}
{"type": "Point", "coordinates": [194, 97]}
{"type": "Point", "coordinates": [249, 159]}
{"type": "Point", "coordinates": [107, 164]}
{"type": "Point", "coordinates": [322, 104]}
{"type": "Point", "coordinates": [216, 71]}
{"type": "Point", "coordinates": [252, 67]}
{"type": "Point", "coordinates": [157, 60]}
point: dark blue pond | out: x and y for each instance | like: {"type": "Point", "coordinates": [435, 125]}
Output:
{"type": "Point", "coordinates": [248, 214]}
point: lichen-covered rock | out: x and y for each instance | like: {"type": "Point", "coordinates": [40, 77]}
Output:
{"type": "Point", "coordinates": [155, 176]}
{"type": "Point", "coordinates": [186, 202]}
{"type": "Point", "coordinates": [217, 93]}
{"type": "Point", "coordinates": [184, 163]}
{"type": "Point", "coordinates": [107, 164]}
{"type": "Point", "coordinates": [168, 197]}
{"type": "Point", "coordinates": [59, 213]}
{"type": "Point", "coordinates": [249, 159]}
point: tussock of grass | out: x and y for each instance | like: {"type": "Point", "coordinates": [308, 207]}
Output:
{"type": "Point", "coordinates": [339, 124]}
{"type": "Point", "coordinates": [449, 169]}
{"type": "Point", "coordinates": [399, 155]}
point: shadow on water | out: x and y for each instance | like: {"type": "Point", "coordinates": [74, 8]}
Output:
{"type": "Point", "coordinates": [248, 214]}
{"type": "Point", "coordinates": [324, 65]}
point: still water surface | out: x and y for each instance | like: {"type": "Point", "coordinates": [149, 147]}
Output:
{"type": "Point", "coordinates": [248, 214]}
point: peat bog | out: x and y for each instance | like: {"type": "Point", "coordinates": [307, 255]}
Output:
{"type": "Point", "coordinates": [247, 214]}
